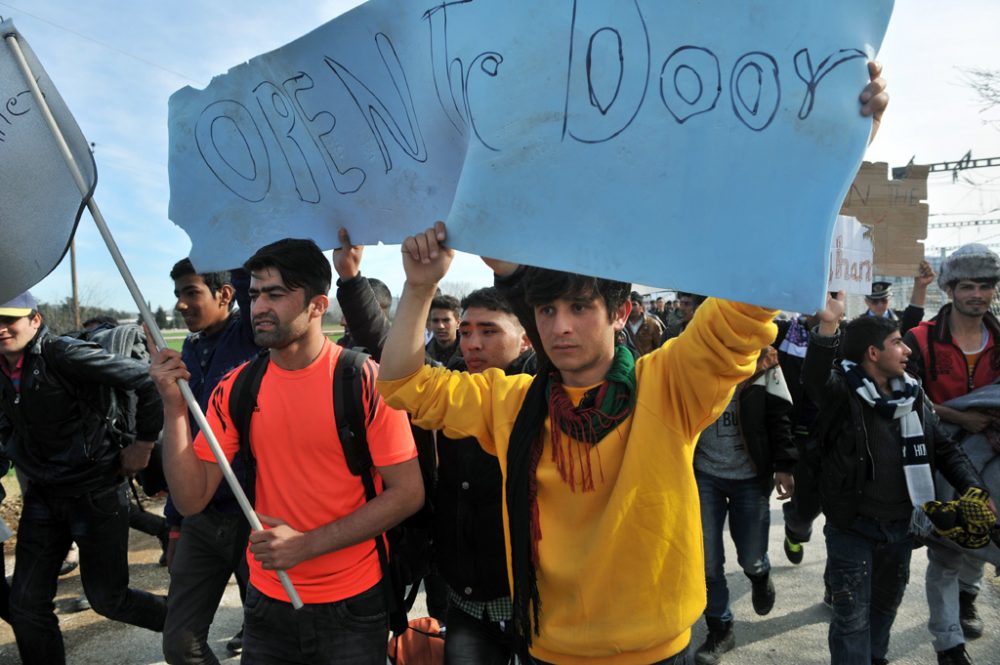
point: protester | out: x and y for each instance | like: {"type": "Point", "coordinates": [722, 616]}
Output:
{"type": "Point", "coordinates": [642, 331]}
{"type": "Point", "coordinates": [738, 460]}
{"type": "Point", "coordinates": [660, 310]}
{"type": "Point", "coordinates": [442, 323]}
{"type": "Point", "coordinates": [75, 463]}
{"type": "Point", "coordinates": [877, 301]}
{"type": "Point", "coordinates": [803, 508]}
{"type": "Point", "coordinates": [687, 305]}
{"type": "Point", "coordinates": [208, 547]}
{"type": "Point", "coordinates": [955, 353]}
{"type": "Point", "coordinates": [468, 498]}
{"type": "Point", "coordinates": [567, 561]}
{"type": "Point", "coordinates": [879, 444]}
{"type": "Point", "coordinates": [609, 573]}
{"type": "Point", "coordinates": [322, 530]}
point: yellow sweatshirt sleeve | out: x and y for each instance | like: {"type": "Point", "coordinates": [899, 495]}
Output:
{"type": "Point", "coordinates": [460, 403]}
{"type": "Point", "coordinates": [700, 368]}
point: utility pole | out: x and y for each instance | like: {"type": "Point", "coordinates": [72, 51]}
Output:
{"type": "Point", "coordinates": [76, 296]}
{"type": "Point", "coordinates": [77, 324]}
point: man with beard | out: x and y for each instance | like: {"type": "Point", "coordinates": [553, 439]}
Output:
{"type": "Point", "coordinates": [322, 530]}
{"type": "Point", "coordinates": [955, 353]}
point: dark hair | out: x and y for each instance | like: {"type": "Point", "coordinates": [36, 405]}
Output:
{"type": "Point", "coordinates": [488, 298]}
{"type": "Point", "coordinates": [213, 280]}
{"type": "Point", "coordinates": [635, 296]}
{"type": "Point", "coordinates": [383, 296]}
{"type": "Point", "coordinates": [696, 299]}
{"type": "Point", "coordinates": [447, 302]}
{"type": "Point", "coordinates": [102, 320]}
{"type": "Point", "coordinates": [300, 263]}
{"type": "Point", "coordinates": [543, 286]}
{"type": "Point", "coordinates": [866, 331]}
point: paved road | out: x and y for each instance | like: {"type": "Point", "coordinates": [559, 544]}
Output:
{"type": "Point", "coordinates": [794, 632]}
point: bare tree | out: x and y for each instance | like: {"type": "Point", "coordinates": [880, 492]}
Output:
{"type": "Point", "coordinates": [457, 289]}
{"type": "Point", "coordinates": [986, 83]}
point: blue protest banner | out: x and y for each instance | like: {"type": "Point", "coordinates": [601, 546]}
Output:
{"type": "Point", "coordinates": [702, 146]}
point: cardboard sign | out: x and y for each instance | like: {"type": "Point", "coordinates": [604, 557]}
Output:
{"type": "Point", "coordinates": [40, 202]}
{"type": "Point", "coordinates": [851, 257]}
{"type": "Point", "coordinates": [897, 213]}
{"type": "Point", "coordinates": [569, 135]}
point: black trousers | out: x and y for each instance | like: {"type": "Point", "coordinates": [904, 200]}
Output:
{"type": "Point", "coordinates": [98, 522]}
{"type": "Point", "coordinates": [212, 548]}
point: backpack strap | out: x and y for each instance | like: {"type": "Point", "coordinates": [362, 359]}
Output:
{"type": "Point", "coordinates": [242, 404]}
{"type": "Point", "coordinates": [350, 417]}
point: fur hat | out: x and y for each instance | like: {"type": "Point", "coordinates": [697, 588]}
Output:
{"type": "Point", "coordinates": [972, 261]}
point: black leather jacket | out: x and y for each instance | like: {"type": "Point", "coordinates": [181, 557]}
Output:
{"type": "Point", "coordinates": [842, 460]}
{"type": "Point", "coordinates": [53, 431]}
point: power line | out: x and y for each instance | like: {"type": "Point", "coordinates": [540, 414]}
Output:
{"type": "Point", "coordinates": [966, 162]}
{"type": "Point", "coordinates": [100, 43]}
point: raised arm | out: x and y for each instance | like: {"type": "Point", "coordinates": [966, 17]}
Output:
{"type": "Point", "coordinates": [368, 324]}
{"type": "Point", "coordinates": [425, 261]}
{"type": "Point", "coordinates": [823, 344]}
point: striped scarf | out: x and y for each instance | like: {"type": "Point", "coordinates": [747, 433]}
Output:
{"type": "Point", "coordinates": [902, 407]}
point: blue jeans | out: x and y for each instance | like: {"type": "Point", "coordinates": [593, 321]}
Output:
{"type": "Point", "coordinates": [867, 569]}
{"type": "Point", "coordinates": [353, 631]}
{"type": "Point", "coordinates": [98, 522]}
{"type": "Point", "coordinates": [749, 520]}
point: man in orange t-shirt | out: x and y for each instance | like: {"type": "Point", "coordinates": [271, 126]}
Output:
{"type": "Point", "coordinates": [322, 530]}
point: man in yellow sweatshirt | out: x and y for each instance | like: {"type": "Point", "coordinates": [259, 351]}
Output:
{"type": "Point", "coordinates": [604, 550]}
{"type": "Point", "coordinates": [604, 541]}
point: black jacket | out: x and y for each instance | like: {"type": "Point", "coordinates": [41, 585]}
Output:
{"type": "Point", "coordinates": [766, 428]}
{"type": "Point", "coordinates": [468, 513]}
{"type": "Point", "coordinates": [843, 459]}
{"type": "Point", "coordinates": [53, 430]}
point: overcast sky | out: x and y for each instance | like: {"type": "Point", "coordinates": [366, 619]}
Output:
{"type": "Point", "coordinates": [116, 63]}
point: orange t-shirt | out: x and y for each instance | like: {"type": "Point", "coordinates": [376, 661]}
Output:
{"type": "Point", "coordinates": [302, 476]}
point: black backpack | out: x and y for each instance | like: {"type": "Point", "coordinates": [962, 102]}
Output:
{"type": "Point", "coordinates": [408, 558]}
{"type": "Point", "coordinates": [116, 406]}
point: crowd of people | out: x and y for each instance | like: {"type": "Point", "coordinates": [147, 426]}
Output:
{"type": "Point", "coordinates": [586, 449]}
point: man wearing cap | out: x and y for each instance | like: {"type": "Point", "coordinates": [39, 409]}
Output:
{"type": "Point", "coordinates": [53, 429]}
{"type": "Point", "coordinates": [878, 300]}
{"type": "Point", "coordinates": [955, 353]}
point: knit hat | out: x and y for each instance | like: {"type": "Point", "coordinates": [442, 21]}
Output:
{"type": "Point", "coordinates": [972, 261]}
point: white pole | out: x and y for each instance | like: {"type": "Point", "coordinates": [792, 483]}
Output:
{"type": "Point", "coordinates": [140, 301]}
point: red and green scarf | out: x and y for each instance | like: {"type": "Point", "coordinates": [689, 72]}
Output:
{"type": "Point", "coordinates": [601, 410]}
